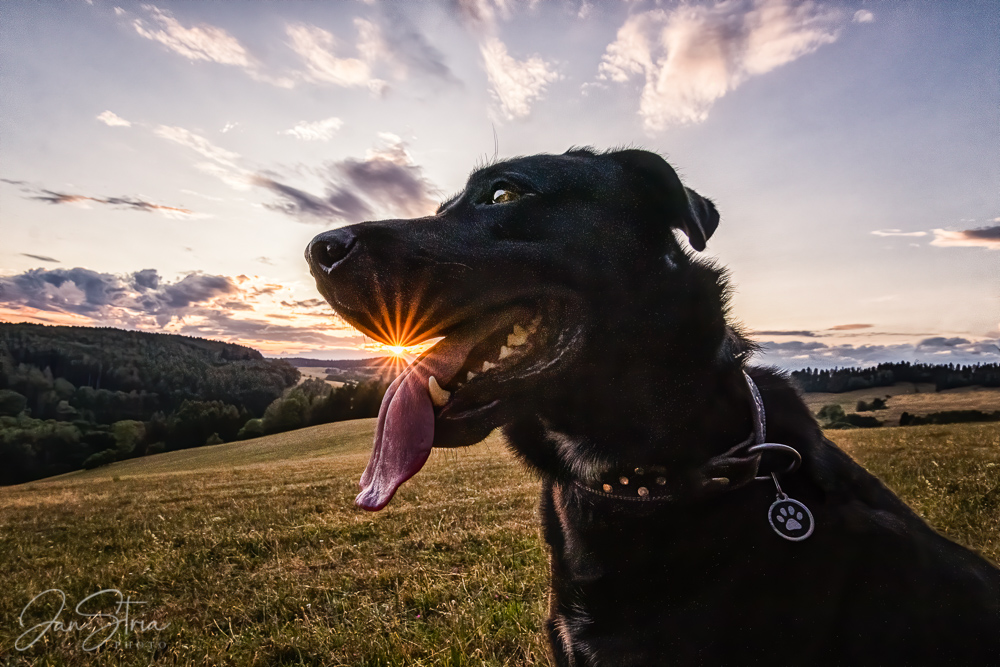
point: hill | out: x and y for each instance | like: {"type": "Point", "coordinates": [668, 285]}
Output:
{"type": "Point", "coordinates": [69, 394]}
{"type": "Point", "coordinates": [174, 368]}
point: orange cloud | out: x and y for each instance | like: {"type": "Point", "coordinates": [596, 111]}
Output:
{"type": "Point", "coordinates": [850, 327]}
{"type": "Point", "coordinates": [983, 237]}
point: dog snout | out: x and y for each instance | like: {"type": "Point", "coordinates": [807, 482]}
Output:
{"type": "Point", "coordinates": [329, 249]}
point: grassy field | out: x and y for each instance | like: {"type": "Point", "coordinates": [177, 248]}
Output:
{"type": "Point", "coordinates": [917, 399]}
{"type": "Point", "coordinates": [315, 372]}
{"type": "Point", "coordinates": [253, 553]}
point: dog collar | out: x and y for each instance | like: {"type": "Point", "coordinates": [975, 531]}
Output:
{"type": "Point", "coordinates": [789, 518]}
{"type": "Point", "coordinates": [730, 470]}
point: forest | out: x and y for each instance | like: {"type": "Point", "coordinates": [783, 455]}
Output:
{"type": "Point", "coordinates": [942, 376]}
{"type": "Point", "coordinates": [80, 397]}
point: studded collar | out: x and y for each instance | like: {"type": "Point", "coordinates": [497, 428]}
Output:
{"type": "Point", "coordinates": [727, 471]}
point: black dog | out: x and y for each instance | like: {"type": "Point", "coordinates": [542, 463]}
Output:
{"type": "Point", "coordinates": [573, 318]}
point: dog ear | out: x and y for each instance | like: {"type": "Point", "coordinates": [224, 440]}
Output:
{"type": "Point", "coordinates": [662, 191]}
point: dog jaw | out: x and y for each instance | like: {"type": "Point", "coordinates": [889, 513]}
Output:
{"type": "Point", "coordinates": [429, 406]}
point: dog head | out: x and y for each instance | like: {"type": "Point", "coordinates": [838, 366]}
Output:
{"type": "Point", "coordinates": [537, 260]}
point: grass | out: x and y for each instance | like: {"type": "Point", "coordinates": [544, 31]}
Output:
{"type": "Point", "coordinates": [254, 554]}
{"type": "Point", "coordinates": [919, 399]}
{"type": "Point", "coordinates": [315, 372]}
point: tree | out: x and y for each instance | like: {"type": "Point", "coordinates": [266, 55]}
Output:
{"type": "Point", "coordinates": [254, 428]}
{"type": "Point", "coordinates": [12, 403]}
{"type": "Point", "coordinates": [832, 413]}
{"type": "Point", "coordinates": [100, 459]}
{"type": "Point", "coordinates": [128, 434]}
{"type": "Point", "coordinates": [287, 413]}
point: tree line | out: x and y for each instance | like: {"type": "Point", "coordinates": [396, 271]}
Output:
{"type": "Point", "coordinates": [942, 376]}
{"type": "Point", "coordinates": [75, 397]}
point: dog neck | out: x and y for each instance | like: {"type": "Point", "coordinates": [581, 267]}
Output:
{"type": "Point", "coordinates": [665, 389]}
{"type": "Point", "coordinates": [730, 470]}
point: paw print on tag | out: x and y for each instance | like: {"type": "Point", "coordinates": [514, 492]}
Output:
{"type": "Point", "coordinates": [790, 519]}
{"type": "Point", "coordinates": [790, 523]}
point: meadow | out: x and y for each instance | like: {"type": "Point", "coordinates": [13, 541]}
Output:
{"type": "Point", "coordinates": [917, 399]}
{"type": "Point", "coordinates": [253, 553]}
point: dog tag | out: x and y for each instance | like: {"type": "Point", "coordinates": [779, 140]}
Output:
{"type": "Point", "coordinates": [788, 517]}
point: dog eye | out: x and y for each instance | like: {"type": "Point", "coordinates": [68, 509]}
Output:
{"type": "Point", "coordinates": [502, 196]}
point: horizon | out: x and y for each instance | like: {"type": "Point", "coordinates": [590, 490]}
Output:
{"type": "Point", "coordinates": [391, 357]}
{"type": "Point", "coordinates": [166, 164]}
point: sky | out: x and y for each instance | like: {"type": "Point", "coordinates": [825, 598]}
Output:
{"type": "Point", "coordinates": [163, 166]}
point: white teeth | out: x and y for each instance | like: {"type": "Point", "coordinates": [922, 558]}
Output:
{"type": "Point", "coordinates": [470, 376]}
{"type": "Point", "coordinates": [438, 395]}
{"type": "Point", "coordinates": [519, 337]}
{"type": "Point", "coordinates": [504, 352]}
{"type": "Point", "coordinates": [487, 366]}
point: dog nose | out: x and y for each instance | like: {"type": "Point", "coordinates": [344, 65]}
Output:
{"type": "Point", "coordinates": [329, 249]}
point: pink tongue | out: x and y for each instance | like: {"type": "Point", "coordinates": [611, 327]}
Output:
{"type": "Point", "coordinates": [405, 430]}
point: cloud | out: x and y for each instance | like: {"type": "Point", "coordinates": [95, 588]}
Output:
{"type": "Point", "coordinates": [388, 175]}
{"type": "Point", "coordinates": [84, 201]}
{"type": "Point", "coordinates": [983, 237]}
{"type": "Point", "coordinates": [316, 47]}
{"type": "Point", "coordinates": [799, 354]}
{"type": "Point", "coordinates": [113, 120]}
{"type": "Point", "coordinates": [223, 164]}
{"type": "Point", "coordinates": [320, 130]}
{"type": "Point", "coordinates": [403, 48]}
{"type": "Point", "coordinates": [337, 205]}
{"type": "Point", "coordinates": [132, 203]}
{"type": "Point", "coordinates": [850, 327]}
{"type": "Point", "coordinates": [240, 309]}
{"type": "Point", "coordinates": [201, 42]}
{"type": "Point", "coordinates": [199, 144]}
{"type": "Point", "coordinates": [896, 232]}
{"type": "Point", "coordinates": [693, 55]}
{"type": "Point", "coordinates": [801, 334]}
{"type": "Point", "coordinates": [41, 258]}
{"type": "Point", "coordinates": [941, 341]}
{"type": "Point", "coordinates": [306, 303]}
{"type": "Point", "coordinates": [515, 84]}
{"type": "Point", "coordinates": [385, 181]}
{"type": "Point", "coordinates": [257, 331]}
{"type": "Point", "coordinates": [396, 43]}
{"type": "Point", "coordinates": [106, 297]}
{"type": "Point", "coordinates": [476, 14]}
{"type": "Point", "coordinates": [863, 16]}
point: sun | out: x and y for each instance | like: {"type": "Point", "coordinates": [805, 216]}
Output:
{"type": "Point", "coordinates": [396, 350]}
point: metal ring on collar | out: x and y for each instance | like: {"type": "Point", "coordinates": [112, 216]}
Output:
{"type": "Point", "coordinates": [765, 446]}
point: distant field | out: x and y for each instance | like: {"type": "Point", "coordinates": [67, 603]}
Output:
{"type": "Point", "coordinates": [254, 554]}
{"type": "Point", "coordinates": [317, 373]}
{"type": "Point", "coordinates": [919, 399]}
